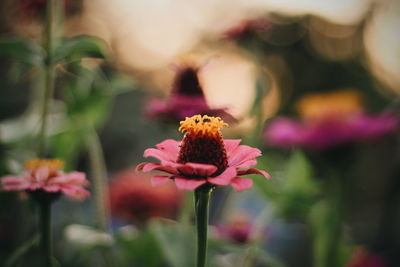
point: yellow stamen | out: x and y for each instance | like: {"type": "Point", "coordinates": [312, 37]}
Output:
{"type": "Point", "coordinates": [54, 164]}
{"type": "Point", "coordinates": [340, 103]}
{"type": "Point", "coordinates": [202, 124]}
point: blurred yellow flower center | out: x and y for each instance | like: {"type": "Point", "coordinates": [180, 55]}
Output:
{"type": "Point", "coordinates": [54, 164]}
{"type": "Point", "coordinates": [199, 124]}
{"type": "Point", "coordinates": [338, 104]}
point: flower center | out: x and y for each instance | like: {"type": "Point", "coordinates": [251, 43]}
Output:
{"type": "Point", "coordinates": [334, 105]}
{"type": "Point", "coordinates": [187, 83]}
{"type": "Point", "coordinates": [203, 142]}
{"type": "Point", "coordinates": [52, 164]}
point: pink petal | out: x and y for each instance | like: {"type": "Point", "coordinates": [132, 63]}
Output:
{"type": "Point", "coordinates": [254, 171]}
{"type": "Point", "coordinates": [247, 164]}
{"type": "Point", "coordinates": [231, 144]}
{"type": "Point", "coordinates": [167, 151]}
{"type": "Point", "coordinates": [199, 169]}
{"type": "Point", "coordinates": [224, 178]}
{"type": "Point", "coordinates": [189, 184]}
{"type": "Point", "coordinates": [146, 167]}
{"type": "Point", "coordinates": [285, 133]}
{"type": "Point", "coordinates": [41, 174]}
{"type": "Point", "coordinates": [241, 184]}
{"type": "Point", "coordinates": [140, 166]}
{"type": "Point", "coordinates": [73, 178]}
{"type": "Point", "coordinates": [159, 179]}
{"type": "Point", "coordinates": [77, 178]}
{"type": "Point", "coordinates": [243, 157]}
{"type": "Point", "coordinates": [75, 192]}
{"type": "Point", "coordinates": [51, 188]}
{"type": "Point", "coordinates": [10, 182]}
{"type": "Point", "coordinates": [171, 147]}
{"type": "Point", "coordinates": [156, 153]}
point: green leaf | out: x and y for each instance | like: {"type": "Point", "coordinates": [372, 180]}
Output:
{"type": "Point", "coordinates": [273, 163]}
{"type": "Point", "coordinates": [177, 243]}
{"type": "Point", "coordinates": [298, 192]}
{"type": "Point", "coordinates": [142, 250]}
{"type": "Point", "coordinates": [298, 176]}
{"type": "Point", "coordinates": [18, 71]}
{"type": "Point", "coordinates": [22, 250]}
{"type": "Point", "coordinates": [291, 187]}
{"type": "Point", "coordinates": [21, 50]}
{"type": "Point", "coordinates": [67, 144]}
{"type": "Point", "coordinates": [78, 47]}
{"type": "Point", "coordinates": [260, 91]}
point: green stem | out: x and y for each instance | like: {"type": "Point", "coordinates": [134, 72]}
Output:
{"type": "Point", "coordinates": [45, 224]}
{"type": "Point", "coordinates": [334, 223]}
{"type": "Point", "coordinates": [99, 176]}
{"type": "Point", "coordinates": [49, 74]}
{"type": "Point", "coordinates": [202, 197]}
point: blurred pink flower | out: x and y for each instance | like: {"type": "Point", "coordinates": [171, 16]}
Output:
{"type": "Point", "coordinates": [363, 258]}
{"type": "Point", "coordinates": [329, 120]}
{"type": "Point", "coordinates": [203, 157]}
{"type": "Point", "coordinates": [246, 27]}
{"type": "Point", "coordinates": [45, 175]}
{"type": "Point", "coordinates": [186, 99]}
{"type": "Point", "coordinates": [34, 8]}
{"type": "Point", "coordinates": [238, 229]}
{"type": "Point", "coordinates": [133, 198]}
{"type": "Point", "coordinates": [285, 132]}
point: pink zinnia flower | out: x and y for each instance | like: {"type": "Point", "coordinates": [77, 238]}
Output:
{"type": "Point", "coordinates": [186, 99]}
{"type": "Point", "coordinates": [238, 229]}
{"type": "Point", "coordinates": [329, 120]}
{"type": "Point", "coordinates": [363, 258]}
{"type": "Point", "coordinates": [133, 198]}
{"type": "Point", "coordinates": [45, 175]}
{"type": "Point", "coordinates": [203, 157]}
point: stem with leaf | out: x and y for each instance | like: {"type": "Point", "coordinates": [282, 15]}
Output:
{"type": "Point", "coordinates": [99, 173]}
{"type": "Point", "coordinates": [49, 41]}
{"type": "Point", "coordinates": [327, 218]}
{"type": "Point", "coordinates": [21, 251]}
{"type": "Point", "coordinates": [202, 199]}
{"type": "Point", "coordinates": [45, 204]}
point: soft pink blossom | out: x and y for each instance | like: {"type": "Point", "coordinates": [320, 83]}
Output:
{"type": "Point", "coordinates": [133, 198]}
{"type": "Point", "coordinates": [191, 175]}
{"type": "Point", "coordinates": [37, 8]}
{"type": "Point", "coordinates": [363, 258]}
{"type": "Point", "coordinates": [48, 179]}
{"type": "Point", "coordinates": [238, 229]}
{"type": "Point", "coordinates": [186, 99]}
{"type": "Point", "coordinates": [329, 132]}
{"type": "Point", "coordinates": [247, 27]}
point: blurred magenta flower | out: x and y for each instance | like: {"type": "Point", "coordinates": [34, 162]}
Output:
{"type": "Point", "coordinates": [246, 27]}
{"type": "Point", "coordinates": [134, 199]}
{"type": "Point", "coordinates": [35, 8]}
{"type": "Point", "coordinates": [238, 229]}
{"type": "Point", "coordinates": [187, 99]}
{"type": "Point", "coordinates": [363, 258]}
{"type": "Point", "coordinates": [329, 120]}
{"type": "Point", "coordinates": [203, 157]}
{"type": "Point", "coordinates": [45, 175]}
